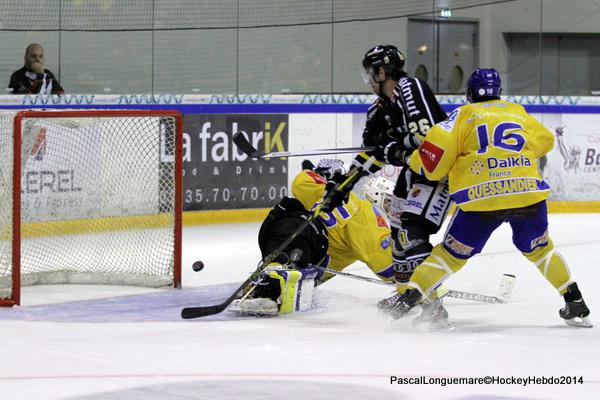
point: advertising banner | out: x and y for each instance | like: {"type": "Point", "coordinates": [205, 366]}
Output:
{"type": "Point", "coordinates": [52, 185]}
{"type": "Point", "coordinates": [572, 168]}
{"type": "Point", "coordinates": [218, 176]}
{"type": "Point", "coordinates": [78, 168]}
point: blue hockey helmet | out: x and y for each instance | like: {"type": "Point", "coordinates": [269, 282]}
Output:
{"type": "Point", "coordinates": [483, 84]}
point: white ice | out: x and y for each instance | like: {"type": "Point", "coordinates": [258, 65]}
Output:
{"type": "Point", "coordinates": [60, 345]}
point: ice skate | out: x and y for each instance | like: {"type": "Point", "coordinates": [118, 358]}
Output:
{"type": "Point", "coordinates": [400, 305]}
{"type": "Point", "coordinates": [433, 316]}
{"type": "Point", "coordinates": [387, 303]}
{"type": "Point", "coordinates": [575, 312]}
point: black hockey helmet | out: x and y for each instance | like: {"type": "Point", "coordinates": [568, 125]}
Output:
{"type": "Point", "coordinates": [387, 57]}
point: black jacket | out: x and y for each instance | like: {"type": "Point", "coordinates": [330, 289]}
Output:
{"type": "Point", "coordinates": [24, 81]}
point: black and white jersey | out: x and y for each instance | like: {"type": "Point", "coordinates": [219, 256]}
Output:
{"type": "Point", "coordinates": [401, 121]}
{"type": "Point", "coordinates": [418, 108]}
{"type": "Point", "coordinates": [406, 117]}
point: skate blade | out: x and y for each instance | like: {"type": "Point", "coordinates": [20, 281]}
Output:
{"type": "Point", "coordinates": [579, 322]}
{"type": "Point", "coordinates": [428, 325]}
{"type": "Point", "coordinates": [387, 313]}
{"type": "Point", "coordinates": [435, 327]}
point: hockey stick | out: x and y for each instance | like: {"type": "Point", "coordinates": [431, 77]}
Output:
{"type": "Point", "coordinates": [504, 289]}
{"type": "Point", "coordinates": [243, 144]}
{"type": "Point", "coordinates": [203, 311]}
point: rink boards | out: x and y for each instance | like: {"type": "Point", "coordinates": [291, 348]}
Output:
{"type": "Point", "coordinates": [222, 185]}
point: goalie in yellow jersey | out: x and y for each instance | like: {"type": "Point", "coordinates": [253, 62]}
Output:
{"type": "Point", "coordinates": [355, 231]}
{"type": "Point", "coordinates": [488, 149]}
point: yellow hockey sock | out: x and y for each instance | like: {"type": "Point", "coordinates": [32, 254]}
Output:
{"type": "Point", "coordinates": [434, 270]}
{"type": "Point", "coordinates": [551, 264]}
{"type": "Point", "coordinates": [402, 288]}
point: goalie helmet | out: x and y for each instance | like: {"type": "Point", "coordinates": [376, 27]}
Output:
{"type": "Point", "coordinates": [327, 167]}
{"type": "Point", "coordinates": [483, 84]}
{"type": "Point", "coordinates": [385, 56]}
{"type": "Point", "coordinates": [379, 192]}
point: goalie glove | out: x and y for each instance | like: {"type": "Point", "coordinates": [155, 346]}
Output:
{"type": "Point", "coordinates": [338, 188]}
{"type": "Point", "coordinates": [328, 167]}
{"type": "Point", "coordinates": [334, 195]}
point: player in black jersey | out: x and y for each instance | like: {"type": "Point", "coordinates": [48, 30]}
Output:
{"type": "Point", "coordinates": [397, 122]}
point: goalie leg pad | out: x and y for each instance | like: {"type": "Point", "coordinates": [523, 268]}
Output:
{"type": "Point", "coordinates": [291, 289]}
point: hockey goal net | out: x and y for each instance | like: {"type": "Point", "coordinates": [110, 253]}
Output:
{"type": "Point", "coordinates": [89, 197]}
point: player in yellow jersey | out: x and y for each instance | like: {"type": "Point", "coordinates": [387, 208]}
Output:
{"type": "Point", "coordinates": [355, 231]}
{"type": "Point", "coordinates": [488, 149]}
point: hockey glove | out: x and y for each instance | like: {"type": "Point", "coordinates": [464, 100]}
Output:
{"type": "Point", "coordinates": [335, 197]}
{"type": "Point", "coordinates": [328, 167]}
{"type": "Point", "coordinates": [393, 153]}
{"type": "Point", "coordinates": [307, 164]}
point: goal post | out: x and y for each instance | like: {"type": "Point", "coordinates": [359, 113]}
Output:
{"type": "Point", "coordinates": [90, 196]}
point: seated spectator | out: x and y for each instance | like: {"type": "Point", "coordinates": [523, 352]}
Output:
{"type": "Point", "coordinates": [33, 78]}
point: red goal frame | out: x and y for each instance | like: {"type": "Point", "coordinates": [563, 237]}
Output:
{"type": "Point", "coordinates": [15, 298]}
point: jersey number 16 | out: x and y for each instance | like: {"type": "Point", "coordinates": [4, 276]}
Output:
{"type": "Point", "coordinates": [511, 141]}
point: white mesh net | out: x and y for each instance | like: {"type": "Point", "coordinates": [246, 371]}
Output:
{"type": "Point", "coordinates": [97, 200]}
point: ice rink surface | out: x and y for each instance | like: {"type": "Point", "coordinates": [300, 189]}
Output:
{"type": "Point", "coordinates": [64, 343]}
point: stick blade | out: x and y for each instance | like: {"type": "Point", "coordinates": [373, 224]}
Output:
{"type": "Point", "coordinates": [204, 311]}
{"type": "Point", "coordinates": [198, 312]}
{"type": "Point", "coordinates": [505, 288]}
{"type": "Point", "coordinates": [244, 145]}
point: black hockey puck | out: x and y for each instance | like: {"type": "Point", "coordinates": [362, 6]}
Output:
{"type": "Point", "coordinates": [198, 266]}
